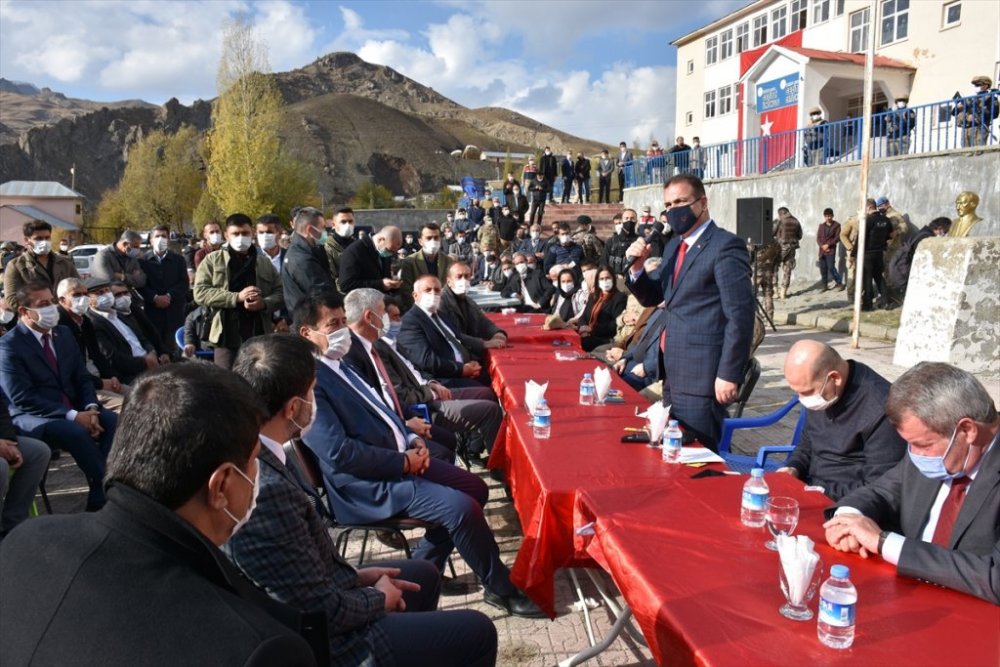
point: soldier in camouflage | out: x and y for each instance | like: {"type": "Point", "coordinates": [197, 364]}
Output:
{"type": "Point", "coordinates": [849, 239]}
{"type": "Point", "coordinates": [788, 233]}
{"type": "Point", "coordinates": [765, 262]}
{"type": "Point", "coordinates": [585, 237]}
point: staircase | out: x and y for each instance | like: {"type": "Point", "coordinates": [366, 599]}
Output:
{"type": "Point", "coordinates": [601, 214]}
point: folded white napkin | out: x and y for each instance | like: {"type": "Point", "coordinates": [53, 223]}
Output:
{"type": "Point", "coordinates": [657, 415]}
{"type": "Point", "coordinates": [798, 560]}
{"type": "Point", "coordinates": [700, 455]}
{"type": "Point", "coordinates": [602, 382]}
{"type": "Point", "coordinates": [533, 392]}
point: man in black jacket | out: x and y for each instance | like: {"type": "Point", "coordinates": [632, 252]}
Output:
{"type": "Point", "coordinates": [530, 286]}
{"type": "Point", "coordinates": [120, 338]}
{"type": "Point", "coordinates": [181, 482]}
{"type": "Point", "coordinates": [614, 250]}
{"type": "Point", "coordinates": [568, 176]}
{"type": "Point", "coordinates": [306, 266]}
{"type": "Point", "coordinates": [166, 289]}
{"type": "Point", "coordinates": [878, 232]}
{"type": "Point", "coordinates": [582, 171]}
{"type": "Point", "coordinates": [549, 171]}
{"type": "Point", "coordinates": [368, 262]}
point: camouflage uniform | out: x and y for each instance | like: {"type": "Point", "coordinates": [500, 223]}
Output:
{"type": "Point", "coordinates": [593, 247]}
{"type": "Point", "coordinates": [765, 269]}
{"type": "Point", "coordinates": [489, 239]}
{"type": "Point", "coordinates": [849, 239]}
{"type": "Point", "coordinates": [788, 233]}
{"type": "Point", "coordinates": [901, 230]}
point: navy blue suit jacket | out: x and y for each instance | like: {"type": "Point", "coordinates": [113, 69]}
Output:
{"type": "Point", "coordinates": [361, 463]}
{"type": "Point", "coordinates": [426, 347]}
{"type": "Point", "coordinates": [709, 311]}
{"type": "Point", "coordinates": [32, 390]}
{"type": "Point", "coordinates": [647, 348]}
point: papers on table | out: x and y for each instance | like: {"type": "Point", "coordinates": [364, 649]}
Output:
{"type": "Point", "coordinates": [699, 455]}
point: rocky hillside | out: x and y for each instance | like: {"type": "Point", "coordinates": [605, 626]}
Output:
{"type": "Point", "coordinates": [355, 122]}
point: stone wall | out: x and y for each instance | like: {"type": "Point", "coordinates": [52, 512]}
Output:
{"type": "Point", "coordinates": [922, 187]}
{"type": "Point", "coordinates": [407, 219]}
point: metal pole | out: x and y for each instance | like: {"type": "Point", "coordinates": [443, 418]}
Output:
{"type": "Point", "coordinates": [72, 177]}
{"type": "Point", "coordinates": [866, 142]}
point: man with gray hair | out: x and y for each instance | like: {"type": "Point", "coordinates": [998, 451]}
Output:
{"type": "Point", "coordinates": [847, 440]}
{"type": "Point", "coordinates": [306, 264]}
{"type": "Point", "coordinates": [120, 261]}
{"type": "Point", "coordinates": [936, 514]}
{"type": "Point", "coordinates": [368, 262]}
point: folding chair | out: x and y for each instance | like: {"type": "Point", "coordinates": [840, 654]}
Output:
{"type": "Point", "coordinates": [744, 463]}
{"type": "Point", "coordinates": [179, 339]}
{"type": "Point", "coordinates": [750, 378]}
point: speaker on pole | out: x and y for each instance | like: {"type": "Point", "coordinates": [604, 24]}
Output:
{"type": "Point", "coordinates": [754, 219]}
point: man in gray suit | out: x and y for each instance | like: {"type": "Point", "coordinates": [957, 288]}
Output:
{"type": "Point", "coordinates": [936, 515]}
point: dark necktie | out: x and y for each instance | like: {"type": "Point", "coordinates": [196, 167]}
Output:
{"type": "Point", "coordinates": [949, 511]}
{"type": "Point", "coordinates": [450, 336]}
{"type": "Point", "coordinates": [387, 382]}
{"type": "Point", "coordinates": [50, 358]}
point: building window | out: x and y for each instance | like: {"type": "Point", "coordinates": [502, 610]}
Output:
{"type": "Point", "coordinates": [952, 14]}
{"type": "Point", "coordinates": [895, 20]}
{"type": "Point", "coordinates": [778, 22]}
{"type": "Point", "coordinates": [79, 209]}
{"type": "Point", "coordinates": [821, 11]}
{"type": "Point", "coordinates": [800, 12]}
{"type": "Point", "coordinates": [711, 50]}
{"type": "Point", "coordinates": [689, 118]}
{"type": "Point", "coordinates": [760, 30]}
{"type": "Point", "coordinates": [725, 100]}
{"type": "Point", "coordinates": [690, 67]}
{"type": "Point", "coordinates": [859, 31]}
{"type": "Point", "coordinates": [726, 44]}
{"type": "Point", "coordinates": [742, 37]}
{"type": "Point", "coordinates": [839, 10]}
{"type": "Point", "coordinates": [710, 104]}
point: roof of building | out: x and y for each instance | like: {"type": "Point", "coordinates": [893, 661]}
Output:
{"type": "Point", "coordinates": [746, 10]}
{"type": "Point", "coordinates": [38, 214]}
{"type": "Point", "coordinates": [44, 189]}
{"type": "Point", "coordinates": [838, 56]}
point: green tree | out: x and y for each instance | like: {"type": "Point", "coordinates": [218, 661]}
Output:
{"type": "Point", "coordinates": [247, 170]}
{"type": "Point", "coordinates": [372, 195]}
{"type": "Point", "coordinates": [508, 166]}
{"type": "Point", "coordinates": [446, 198]}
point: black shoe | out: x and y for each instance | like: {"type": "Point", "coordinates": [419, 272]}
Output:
{"type": "Point", "coordinates": [391, 539]}
{"type": "Point", "coordinates": [517, 604]}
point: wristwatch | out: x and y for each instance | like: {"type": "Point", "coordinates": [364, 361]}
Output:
{"type": "Point", "coordinates": [881, 540]}
{"type": "Point", "coordinates": [92, 406]}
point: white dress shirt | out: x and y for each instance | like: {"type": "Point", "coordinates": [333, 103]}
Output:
{"type": "Point", "coordinates": [70, 414]}
{"type": "Point", "coordinates": [690, 240]}
{"type": "Point", "coordinates": [413, 369]}
{"type": "Point", "coordinates": [439, 323]}
{"type": "Point", "coordinates": [370, 397]}
{"type": "Point", "coordinates": [125, 330]}
{"type": "Point", "coordinates": [274, 446]}
{"type": "Point", "coordinates": [386, 390]}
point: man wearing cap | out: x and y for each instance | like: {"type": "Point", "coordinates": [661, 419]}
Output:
{"type": "Point", "coordinates": [814, 149]}
{"type": "Point", "coordinates": [593, 247]}
{"type": "Point", "coordinates": [977, 112]}
{"type": "Point", "coordinates": [900, 125]}
{"type": "Point", "coordinates": [788, 233]}
{"type": "Point", "coordinates": [646, 221]}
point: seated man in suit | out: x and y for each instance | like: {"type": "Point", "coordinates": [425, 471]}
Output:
{"type": "Point", "coordinates": [367, 320]}
{"type": "Point", "coordinates": [936, 514]}
{"type": "Point", "coordinates": [181, 481]}
{"type": "Point", "coordinates": [121, 340]}
{"type": "Point", "coordinates": [639, 365]}
{"type": "Point", "coordinates": [434, 344]}
{"type": "Point", "coordinates": [286, 549]}
{"type": "Point", "coordinates": [28, 459]}
{"type": "Point", "coordinates": [374, 468]}
{"type": "Point", "coordinates": [368, 262]}
{"type": "Point", "coordinates": [530, 286]}
{"type": "Point", "coordinates": [428, 261]}
{"type": "Point", "coordinates": [50, 394]}
{"type": "Point", "coordinates": [847, 441]}
{"type": "Point", "coordinates": [481, 331]}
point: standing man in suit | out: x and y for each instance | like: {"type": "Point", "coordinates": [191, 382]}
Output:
{"type": "Point", "coordinates": [550, 170]}
{"type": "Point", "coordinates": [705, 285]}
{"type": "Point", "coordinates": [182, 479]}
{"type": "Point", "coordinates": [307, 266]}
{"type": "Point", "coordinates": [374, 468]}
{"type": "Point", "coordinates": [429, 261]}
{"type": "Point", "coordinates": [435, 344]}
{"type": "Point", "coordinates": [239, 286]}
{"type": "Point", "coordinates": [936, 514]}
{"type": "Point", "coordinates": [118, 335]}
{"type": "Point", "coordinates": [50, 395]}
{"type": "Point", "coordinates": [120, 261]}
{"type": "Point", "coordinates": [166, 289]}
{"type": "Point", "coordinates": [37, 264]}
{"type": "Point", "coordinates": [286, 548]}
{"type": "Point", "coordinates": [368, 262]}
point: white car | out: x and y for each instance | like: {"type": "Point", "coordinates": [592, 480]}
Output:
{"type": "Point", "coordinates": [83, 258]}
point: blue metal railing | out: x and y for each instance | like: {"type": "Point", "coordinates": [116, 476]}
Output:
{"type": "Point", "coordinates": [927, 128]}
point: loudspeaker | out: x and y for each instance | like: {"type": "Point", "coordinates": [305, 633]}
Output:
{"type": "Point", "coordinates": [754, 219]}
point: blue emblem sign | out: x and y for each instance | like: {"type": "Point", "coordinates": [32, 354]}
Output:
{"type": "Point", "coordinates": [778, 93]}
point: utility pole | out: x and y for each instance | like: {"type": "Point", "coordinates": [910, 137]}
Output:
{"type": "Point", "coordinates": [866, 142]}
{"type": "Point", "coordinates": [72, 177]}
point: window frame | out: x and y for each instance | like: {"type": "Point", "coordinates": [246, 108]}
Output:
{"type": "Point", "coordinates": [711, 50]}
{"type": "Point", "coordinates": [745, 37]}
{"type": "Point", "coordinates": [864, 29]}
{"type": "Point", "coordinates": [726, 44]}
{"type": "Point", "coordinates": [689, 118]}
{"type": "Point", "coordinates": [759, 33]}
{"type": "Point", "coordinates": [690, 66]}
{"type": "Point", "coordinates": [779, 17]}
{"type": "Point", "coordinates": [724, 100]}
{"type": "Point", "coordinates": [894, 17]}
{"type": "Point", "coordinates": [710, 108]}
{"type": "Point", "coordinates": [798, 15]}
{"type": "Point", "coordinates": [945, 24]}
{"type": "Point", "coordinates": [820, 7]}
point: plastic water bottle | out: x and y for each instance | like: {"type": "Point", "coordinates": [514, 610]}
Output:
{"type": "Point", "coordinates": [672, 441]}
{"type": "Point", "coordinates": [587, 389]}
{"type": "Point", "coordinates": [542, 424]}
{"type": "Point", "coordinates": [754, 505]}
{"type": "Point", "coordinates": [837, 601]}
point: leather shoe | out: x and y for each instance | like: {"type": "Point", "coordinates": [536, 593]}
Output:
{"type": "Point", "coordinates": [391, 538]}
{"type": "Point", "coordinates": [517, 604]}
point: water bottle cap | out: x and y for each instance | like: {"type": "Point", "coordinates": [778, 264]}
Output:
{"type": "Point", "coordinates": [757, 472]}
{"type": "Point", "coordinates": [587, 376]}
{"type": "Point", "coordinates": [541, 402]}
{"type": "Point", "coordinates": [840, 571]}
{"type": "Point", "coordinates": [673, 423]}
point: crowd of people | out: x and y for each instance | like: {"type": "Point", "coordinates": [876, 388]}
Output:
{"type": "Point", "coordinates": [274, 379]}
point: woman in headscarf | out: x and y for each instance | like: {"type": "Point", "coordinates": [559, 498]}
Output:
{"type": "Point", "coordinates": [597, 322]}
{"type": "Point", "coordinates": [570, 300]}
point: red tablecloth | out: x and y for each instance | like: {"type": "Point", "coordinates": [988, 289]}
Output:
{"type": "Point", "coordinates": [532, 332]}
{"type": "Point", "coordinates": [705, 590]}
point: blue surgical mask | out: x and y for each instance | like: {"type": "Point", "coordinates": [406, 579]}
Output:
{"type": "Point", "coordinates": [394, 330]}
{"type": "Point", "coordinates": [682, 219]}
{"type": "Point", "coordinates": [932, 467]}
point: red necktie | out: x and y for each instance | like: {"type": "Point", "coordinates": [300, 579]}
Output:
{"type": "Point", "coordinates": [678, 262]}
{"type": "Point", "coordinates": [388, 383]}
{"type": "Point", "coordinates": [50, 357]}
{"type": "Point", "coordinates": [949, 511]}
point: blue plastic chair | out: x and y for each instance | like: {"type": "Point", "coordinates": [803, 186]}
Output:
{"type": "Point", "coordinates": [179, 339]}
{"type": "Point", "coordinates": [744, 463]}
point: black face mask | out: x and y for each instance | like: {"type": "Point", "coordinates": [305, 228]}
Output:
{"type": "Point", "coordinates": [682, 218]}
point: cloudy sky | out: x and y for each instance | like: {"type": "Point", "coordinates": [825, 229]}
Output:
{"type": "Point", "coordinates": [602, 69]}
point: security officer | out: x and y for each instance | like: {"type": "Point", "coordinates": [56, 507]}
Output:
{"type": "Point", "coordinates": [814, 147]}
{"type": "Point", "coordinates": [765, 263]}
{"type": "Point", "coordinates": [788, 233]}
{"type": "Point", "coordinates": [900, 125]}
{"type": "Point", "coordinates": [849, 239]}
{"type": "Point", "coordinates": [977, 112]}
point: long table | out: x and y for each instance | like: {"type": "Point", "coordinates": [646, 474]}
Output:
{"type": "Point", "coordinates": [703, 587]}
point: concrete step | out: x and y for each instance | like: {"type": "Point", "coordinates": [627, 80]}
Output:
{"type": "Point", "coordinates": [601, 215]}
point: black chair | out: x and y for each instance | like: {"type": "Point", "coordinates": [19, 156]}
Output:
{"type": "Point", "coordinates": [395, 526]}
{"type": "Point", "coordinates": [750, 378]}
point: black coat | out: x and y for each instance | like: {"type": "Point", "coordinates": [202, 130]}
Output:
{"type": "Point", "coordinates": [605, 327]}
{"type": "Point", "coordinates": [86, 338]}
{"type": "Point", "coordinates": [305, 268]}
{"type": "Point", "coordinates": [166, 276]}
{"type": "Point", "coordinates": [549, 168]}
{"type": "Point", "coordinates": [124, 365]}
{"type": "Point", "coordinates": [362, 266]}
{"type": "Point", "coordinates": [540, 289]}
{"type": "Point", "coordinates": [134, 584]}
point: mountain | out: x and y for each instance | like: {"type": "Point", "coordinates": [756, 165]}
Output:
{"type": "Point", "coordinates": [353, 121]}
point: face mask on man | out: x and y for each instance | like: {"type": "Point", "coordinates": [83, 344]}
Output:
{"type": "Point", "coordinates": [240, 243]}
{"type": "Point", "coordinates": [338, 344]}
{"type": "Point", "coordinates": [507, 273]}
{"type": "Point", "coordinates": [266, 240]}
{"type": "Point", "coordinates": [521, 268]}
{"type": "Point", "coordinates": [43, 247]}
{"type": "Point", "coordinates": [535, 235]}
{"type": "Point", "coordinates": [816, 401]}
{"type": "Point", "coordinates": [429, 301]}
{"type": "Point", "coordinates": [303, 430]}
{"type": "Point", "coordinates": [932, 467]}
{"type": "Point", "coordinates": [215, 238]}
{"type": "Point", "coordinates": [564, 239]}
{"type": "Point", "coordinates": [346, 229]}
{"type": "Point", "coordinates": [682, 218]}
{"type": "Point", "coordinates": [47, 317]}
{"type": "Point", "coordinates": [618, 228]}
{"type": "Point", "coordinates": [64, 246]}
{"type": "Point", "coordinates": [6, 316]}
{"type": "Point", "coordinates": [255, 484]}
{"type": "Point", "coordinates": [460, 239]}
{"type": "Point", "coordinates": [80, 304]}
{"type": "Point", "coordinates": [382, 328]}
{"type": "Point", "coordinates": [123, 304]}
{"type": "Point", "coordinates": [160, 245]}
{"type": "Point", "coordinates": [431, 247]}
{"type": "Point", "coordinates": [105, 301]}
{"type": "Point", "coordinates": [460, 286]}
{"type": "Point", "coordinates": [394, 328]}
{"type": "Point", "coordinates": [133, 253]}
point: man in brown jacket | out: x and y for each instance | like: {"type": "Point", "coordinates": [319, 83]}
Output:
{"type": "Point", "coordinates": [37, 264]}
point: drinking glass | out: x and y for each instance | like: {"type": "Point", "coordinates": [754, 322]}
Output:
{"type": "Point", "coordinates": [798, 610]}
{"type": "Point", "coordinates": [781, 516]}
